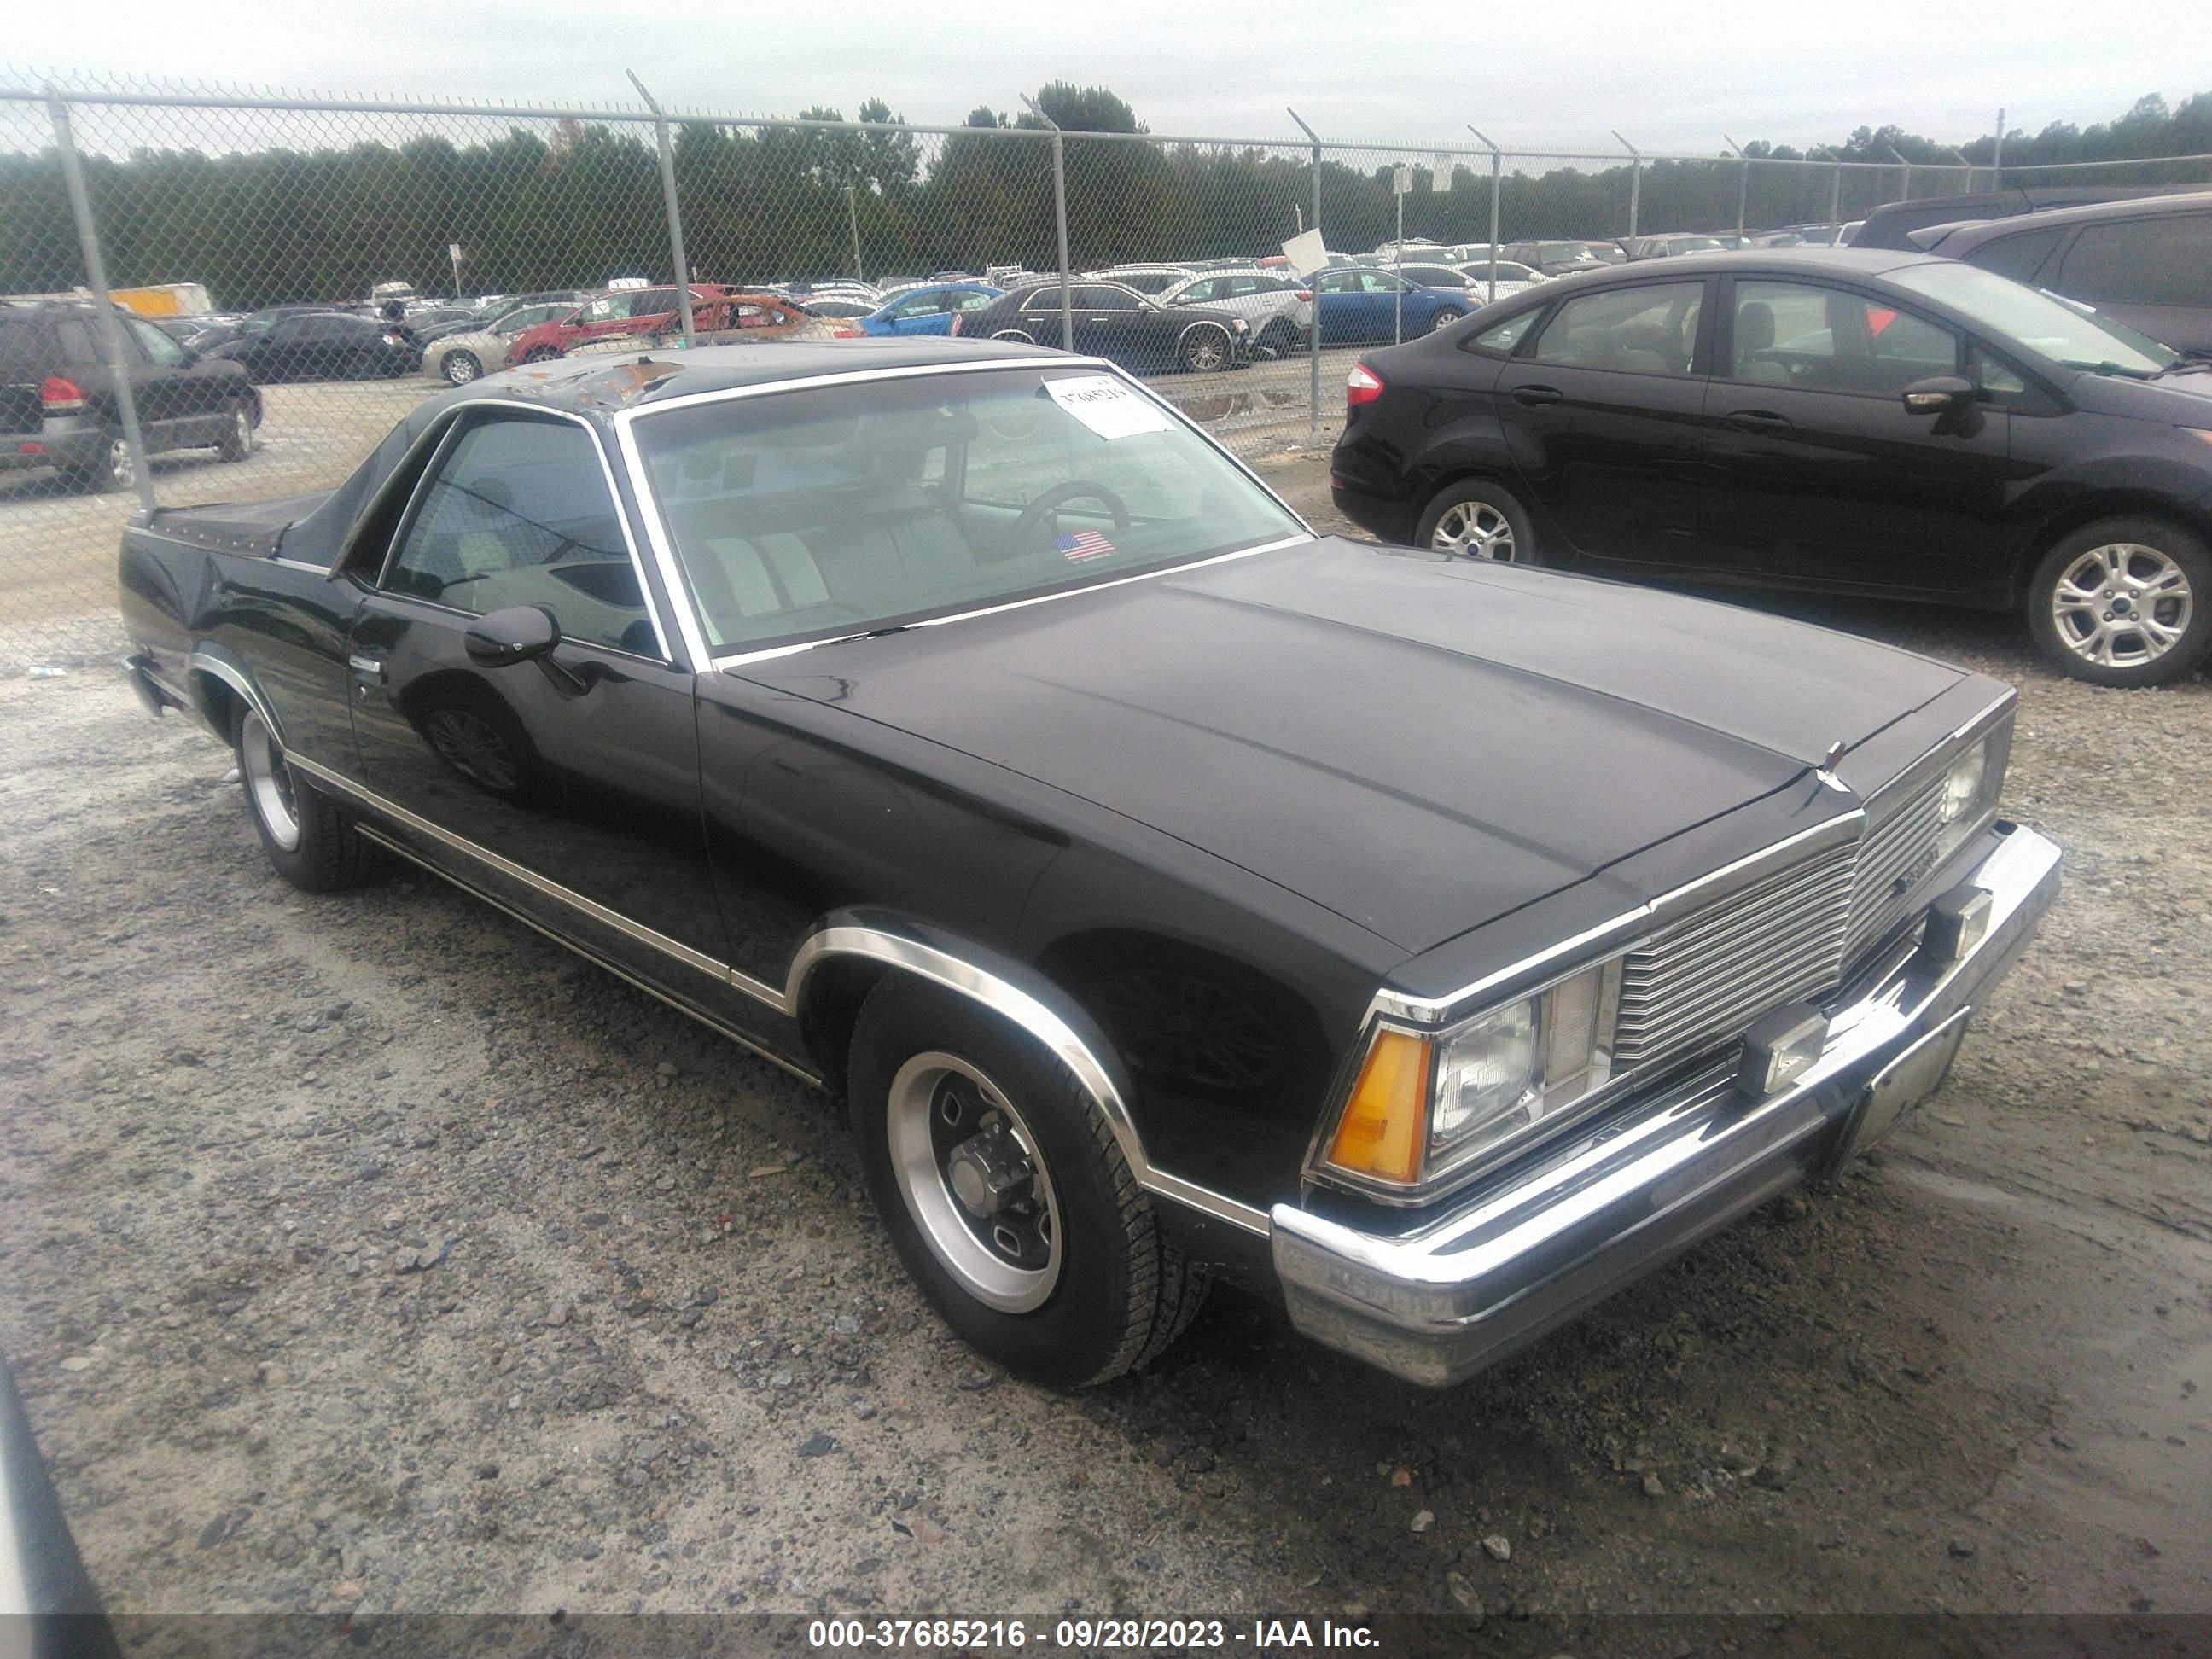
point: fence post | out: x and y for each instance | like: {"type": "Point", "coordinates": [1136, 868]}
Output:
{"type": "Point", "coordinates": [96, 271]}
{"type": "Point", "coordinates": [1743, 185]}
{"type": "Point", "coordinates": [1907, 166]}
{"type": "Point", "coordinates": [668, 201]}
{"type": "Point", "coordinates": [852, 224]}
{"type": "Point", "coordinates": [1494, 164]}
{"type": "Point", "coordinates": [1996, 157]}
{"type": "Point", "coordinates": [1313, 334]}
{"type": "Point", "coordinates": [1835, 193]}
{"type": "Point", "coordinates": [1060, 218]}
{"type": "Point", "coordinates": [1635, 180]}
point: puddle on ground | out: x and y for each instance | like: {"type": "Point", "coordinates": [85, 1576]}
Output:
{"type": "Point", "coordinates": [1206, 408]}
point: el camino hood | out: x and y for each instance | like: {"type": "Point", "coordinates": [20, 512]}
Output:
{"type": "Point", "coordinates": [1421, 745]}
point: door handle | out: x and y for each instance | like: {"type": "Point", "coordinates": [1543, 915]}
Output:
{"type": "Point", "coordinates": [1757, 420]}
{"type": "Point", "coordinates": [370, 669]}
{"type": "Point", "coordinates": [1533, 395]}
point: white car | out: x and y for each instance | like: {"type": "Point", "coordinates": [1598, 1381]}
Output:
{"type": "Point", "coordinates": [459, 358]}
{"type": "Point", "coordinates": [1276, 305]}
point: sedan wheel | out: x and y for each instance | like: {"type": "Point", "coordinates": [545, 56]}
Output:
{"type": "Point", "coordinates": [1478, 518]}
{"type": "Point", "coordinates": [112, 469]}
{"type": "Point", "coordinates": [1445, 319]}
{"type": "Point", "coordinates": [2124, 602]}
{"type": "Point", "coordinates": [1205, 350]}
{"type": "Point", "coordinates": [238, 437]}
{"type": "Point", "coordinates": [462, 367]}
{"type": "Point", "coordinates": [309, 841]}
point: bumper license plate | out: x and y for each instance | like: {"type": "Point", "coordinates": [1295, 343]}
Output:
{"type": "Point", "coordinates": [1899, 1087]}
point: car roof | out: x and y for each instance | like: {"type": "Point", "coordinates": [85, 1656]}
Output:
{"type": "Point", "coordinates": [1787, 261]}
{"type": "Point", "coordinates": [603, 386]}
{"type": "Point", "coordinates": [1974, 232]}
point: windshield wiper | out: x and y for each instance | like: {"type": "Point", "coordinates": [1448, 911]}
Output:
{"type": "Point", "coordinates": [2110, 368]}
{"type": "Point", "coordinates": [2197, 357]}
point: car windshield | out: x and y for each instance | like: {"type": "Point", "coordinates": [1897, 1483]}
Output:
{"type": "Point", "coordinates": [2015, 313]}
{"type": "Point", "coordinates": [1561, 253]}
{"type": "Point", "coordinates": [824, 511]}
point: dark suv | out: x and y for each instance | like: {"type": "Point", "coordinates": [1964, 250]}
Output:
{"type": "Point", "coordinates": [57, 402]}
{"type": "Point", "coordinates": [2148, 262]}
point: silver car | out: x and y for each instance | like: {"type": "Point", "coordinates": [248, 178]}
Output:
{"type": "Point", "coordinates": [457, 359]}
{"type": "Point", "coordinates": [1276, 305]}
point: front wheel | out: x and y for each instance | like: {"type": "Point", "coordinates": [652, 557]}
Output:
{"type": "Point", "coordinates": [541, 354]}
{"type": "Point", "coordinates": [237, 441]}
{"type": "Point", "coordinates": [2124, 602]}
{"type": "Point", "coordinates": [1206, 350]}
{"type": "Point", "coordinates": [1444, 320]}
{"type": "Point", "coordinates": [1477, 520]}
{"type": "Point", "coordinates": [309, 841]}
{"type": "Point", "coordinates": [1006, 1195]}
{"type": "Point", "coordinates": [461, 367]}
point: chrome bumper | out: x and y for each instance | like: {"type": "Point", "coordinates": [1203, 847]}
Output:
{"type": "Point", "coordinates": [1439, 1304]}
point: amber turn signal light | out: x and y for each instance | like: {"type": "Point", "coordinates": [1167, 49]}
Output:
{"type": "Point", "coordinates": [1384, 1125]}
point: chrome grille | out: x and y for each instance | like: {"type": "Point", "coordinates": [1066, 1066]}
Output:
{"type": "Point", "coordinates": [1895, 853]}
{"type": "Point", "coordinates": [1710, 974]}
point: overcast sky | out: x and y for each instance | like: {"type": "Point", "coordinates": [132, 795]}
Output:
{"type": "Point", "coordinates": [1535, 72]}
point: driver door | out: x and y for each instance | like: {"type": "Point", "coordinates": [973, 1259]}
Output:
{"type": "Point", "coordinates": [566, 786]}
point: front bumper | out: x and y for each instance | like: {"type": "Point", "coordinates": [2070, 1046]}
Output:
{"type": "Point", "coordinates": [1440, 1303]}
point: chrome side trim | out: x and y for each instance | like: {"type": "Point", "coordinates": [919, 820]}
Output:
{"type": "Point", "coordinates": [1095, 1071]}
{"type": "Point", "coordinates": [367, 832]}
{"type": "Point", "coordinates": [205, 662]}
{"type": "Point", "coordinates": [664, 548]}
{"type": "Point", "coordinates": [600, 912]}
{"type": "Point", "coordinates": [1446, 1009]}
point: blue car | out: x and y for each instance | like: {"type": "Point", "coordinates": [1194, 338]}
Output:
{"type": "Point", "coordinates": [934, 309]}
{"type": "Point", "coordinates": [1359, 305]}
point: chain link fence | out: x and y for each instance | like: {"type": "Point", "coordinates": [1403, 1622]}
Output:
{"type": "Point", "coordinates": [302, 220]}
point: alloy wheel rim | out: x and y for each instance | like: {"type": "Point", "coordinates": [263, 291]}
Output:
{"type": "Point", "coordinates": [1443, 319]}
{"type": "Point", "coordinates": [460, 368]}
{"type": "Point", "coordinates": [244, 427]}
{"type": "Point", "coordinates": [974, 1182]}
{"type": "Point", "coordinates": [269, 780]}
{"type": "Point", "coordinates": [1476, 530]}
{"type": "Point", "coordinates": [2121, 605]}
{"type": "Point", "coordinates": [473, 747]}
{"type": "Point", "coordinates": [119, 466]}
{"type": "Point", "coordinates": [1205, 353]}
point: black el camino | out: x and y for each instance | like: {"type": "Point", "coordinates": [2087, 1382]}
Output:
{"type": "Point", "coordinates": [1170, 890]}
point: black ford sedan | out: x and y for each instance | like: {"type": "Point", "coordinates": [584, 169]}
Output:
{"type": "Point", "coordinates": [1831, 419]}
{"type": "Point", "coordinates": [958, 728]}
{"type": "Point", "coordinates": [1115, 321]}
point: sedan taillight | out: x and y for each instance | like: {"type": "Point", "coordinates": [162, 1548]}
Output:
{"type": "Point", "coordinates": [61, 397]}
{"type": "Point", "coordinates": [1363, 385]}
{"type": "Point", "coordinates": [1304, 296]}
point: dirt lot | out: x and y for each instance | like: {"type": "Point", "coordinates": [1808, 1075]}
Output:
{"type": "Point", "coordinates": [659, 1359]}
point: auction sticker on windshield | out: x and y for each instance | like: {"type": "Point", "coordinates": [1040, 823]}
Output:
{"type": "Point", "coordinates": [1106, 406]}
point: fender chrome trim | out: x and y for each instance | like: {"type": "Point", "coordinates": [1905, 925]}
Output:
{"type": "Point", "coordinates": [203, 661]}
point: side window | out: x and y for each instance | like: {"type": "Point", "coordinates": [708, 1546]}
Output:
{"type": "Point", "coordinates": [1197, 293]}
{"type": "Point", "coordinates": [1502, 338]}
{"type": "Point", "coordinates": [79, 351]}
{"type": "Point", "coordinates": [922, 305]}
{"type": "Point", "coordinates": [2144, 261]}
{"type": "Point", "coordinates": [1239, 286]}
{"type": "Point", "coordinates": [1825, 340]}
{"type": "Point", "coordinates": [518, 514]}
{"type": "Point", "coordinates": [1647, 330]}
{"type": "Point", "coordinates": [968, 302]}
{"type": "Point", "coordinates": [2017, 257]}
{"type": "Point", "coordinates": [1993, 374]}
{"type": "Point", "coordinates": [1101, 297]}
{"type": "Point", "coordinates": [1339, 281]}
{"type": "Point", "coordinates": [1902, 348]}
{"type": "Point", "coordinates": [165, 351]}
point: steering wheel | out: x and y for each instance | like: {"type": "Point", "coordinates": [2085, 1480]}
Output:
{"type": "Point", "coordinates": [1075, 489]}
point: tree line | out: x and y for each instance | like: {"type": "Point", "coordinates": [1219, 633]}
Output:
{"type": "Point", "coordinates": [577, 204]}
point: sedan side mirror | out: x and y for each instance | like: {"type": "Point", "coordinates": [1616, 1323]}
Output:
{"type": "Point", "coordinates": [1939, 394]}
{"type": "Point", "coordinates": [513, 636]}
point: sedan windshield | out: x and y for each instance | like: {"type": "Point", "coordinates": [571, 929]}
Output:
{"type": "Point", "coordinates": [2012, 311]}
{"type": "Point", "coordinates": [824, 511]}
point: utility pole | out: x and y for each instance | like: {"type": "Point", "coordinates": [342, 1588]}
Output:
{"type": "Point", "coordinates": [1742, 185]}
{"type": "Point", "coordinates": [1059, 216]}
{"type": "Point", "coordinates": [1635, 180]}
{"type": "Point", "coordinates": [1494, 159]}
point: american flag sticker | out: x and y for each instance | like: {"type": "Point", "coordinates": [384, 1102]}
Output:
{"type": "Point", "coordinates": [1083, 544]}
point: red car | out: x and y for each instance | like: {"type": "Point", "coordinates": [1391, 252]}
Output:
{"type": "Point", "coordinates": [619, 311]}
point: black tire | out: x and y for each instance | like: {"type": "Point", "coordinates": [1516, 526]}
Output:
{"type": "Point", "coordinates": [460, 368]}
{"type": "Point", "coordinates": [1444, 320]}
{"type": "Point", "coordinates": [110, 471]}
{"type": "Point", "coordinates": [1206, 349]}
{"type": "Point", "coordinates": [541, 354]}
{"type": "Point", "coordinates": [310, 842]}
{"type": "Point", "coordinates": [2110, 561]}
{"type": "Point", "coordinates": [1276, 341]}
{"type": "Point", "coordinates": [1122, 1292]}
{"type": "Point", "coordinates": [237, 441]}
{"type": "Point", "coordinates": [1470, 497]}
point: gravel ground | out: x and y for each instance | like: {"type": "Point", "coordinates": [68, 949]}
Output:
{"type": "Point", "coordinates": [372, 1253]}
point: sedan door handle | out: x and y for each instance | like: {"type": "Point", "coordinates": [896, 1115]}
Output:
{"type": "Point", "coordinates": [1537, 394]}
{"type": "Point", "coordinates": [1757, 420]}
{"type": "Point", "coordinates": [367, 668]}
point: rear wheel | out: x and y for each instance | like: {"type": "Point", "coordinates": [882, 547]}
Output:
{"type": "Point", "coordinates": [1445, 319]}
{"type": "Point", "coordinates": [541, 354]}
{"type": "Point", "coordinates": [311, 843]}
{"type": "Point", "coordinates": [111, 468]}
{"type": "Point", "coordinates": [1478, 519]}
{"type": "Point", "coordinates": [2124, 602]}
{"type": "Point", "coordinates": [1006, 1194]}
{"type": "Point", "coordinates": [237, 441]}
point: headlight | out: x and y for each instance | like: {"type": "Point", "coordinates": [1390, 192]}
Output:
{"type": "Point", "coordinates": [1240, 325]}
{"type": "Point", "coordinates": [1971, 788]}
{"type": "Point", "coordinates": [1425, 1107]}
